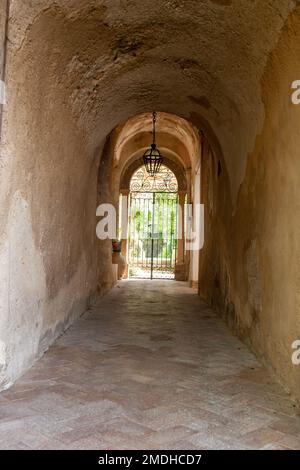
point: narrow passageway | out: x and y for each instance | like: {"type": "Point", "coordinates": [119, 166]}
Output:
{"type": "Point", "coordinates": [149, 367]}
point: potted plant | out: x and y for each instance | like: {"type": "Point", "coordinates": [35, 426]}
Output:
{"type": "Point", "coordinates": [117, 257]}
{"type": "Point", "coordinates": [116, 246]}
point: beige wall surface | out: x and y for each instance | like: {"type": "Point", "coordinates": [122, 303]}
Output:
{"type": "Point", "coordinates": [76, 70]}
{"type": "Point", "coordinates": [249, 269]}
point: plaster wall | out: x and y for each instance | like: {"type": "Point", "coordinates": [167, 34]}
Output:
{"type": "Point", "coordinates": [48, 197]}
{"type": "Point", "coordinates": [249, 268]}
{"type": "Point", "coordinates": [76, 70]}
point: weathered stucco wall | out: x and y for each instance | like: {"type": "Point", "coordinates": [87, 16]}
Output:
{"type": "Point", "coordinates": [77, 69]}
{"type": "Point", "coordinates": [3, 12]}
{"type": "Point", "coordinates": [118, 59]}
{"type": "Point", "coordinates": [107, 193]}
{"type": "Point", "coordinates": [250, 266]}
{"type": "Point", "coordinates": [3, 25]}
{"type": "Point", "coordinates": [48, 198]}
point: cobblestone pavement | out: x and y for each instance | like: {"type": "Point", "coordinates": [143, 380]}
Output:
{"type": "Point", "coordinates": [151, 367]}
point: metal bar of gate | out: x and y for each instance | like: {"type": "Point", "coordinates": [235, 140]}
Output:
{"type": "Point", "coordinates": [152, 235]}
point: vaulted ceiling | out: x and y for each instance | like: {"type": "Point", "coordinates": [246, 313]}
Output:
{"type": "Point", "coordinates": [108, 61]}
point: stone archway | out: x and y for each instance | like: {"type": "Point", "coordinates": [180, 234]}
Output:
{"type": "Point", "coordinates": [182, 177]}
{"type": "Point", "coordinates": [77, 72]}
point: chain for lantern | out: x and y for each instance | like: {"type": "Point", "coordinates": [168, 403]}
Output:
{"type": "Point", "coordinates": [152, 157]}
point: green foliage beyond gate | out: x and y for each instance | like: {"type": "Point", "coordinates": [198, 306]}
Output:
{"type": "Point", "coordinates": [152, 235]}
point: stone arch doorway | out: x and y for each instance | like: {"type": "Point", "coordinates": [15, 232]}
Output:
{"type": "Point", "coordinates": [171, 188]}
{"type": "Point", "coordinates": [153, 224]}
{"type": "Point", "coordinates": [181, 145]}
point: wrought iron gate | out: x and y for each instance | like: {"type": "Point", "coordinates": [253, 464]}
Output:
{"type": "Point", "coordinates": [152, 235]}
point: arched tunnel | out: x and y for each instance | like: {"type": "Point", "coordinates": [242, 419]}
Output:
{"type": "Point", "coordinates": [81, 81]}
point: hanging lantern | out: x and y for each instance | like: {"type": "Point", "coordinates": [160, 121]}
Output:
{"type": "Point", "coordinates": [152, 157]}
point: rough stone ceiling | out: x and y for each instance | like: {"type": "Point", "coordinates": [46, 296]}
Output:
{"type": "Point", "coordinates": [110, 60]}
{"type": "Point", "coordinates": [174, 135]}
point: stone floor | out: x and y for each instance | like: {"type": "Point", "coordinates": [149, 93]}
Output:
{"type": "Point", "coordinates": [150, 368]}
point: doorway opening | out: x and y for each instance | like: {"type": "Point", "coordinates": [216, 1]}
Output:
{"type": "Point", "coordinates": [153, 224]}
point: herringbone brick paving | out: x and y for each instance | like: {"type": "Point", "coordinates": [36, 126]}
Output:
{"type": "Point", "coordinates": [150, 367]}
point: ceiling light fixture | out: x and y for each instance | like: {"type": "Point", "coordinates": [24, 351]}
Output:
{"type": "Point", "coordinates": [152, 157]}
